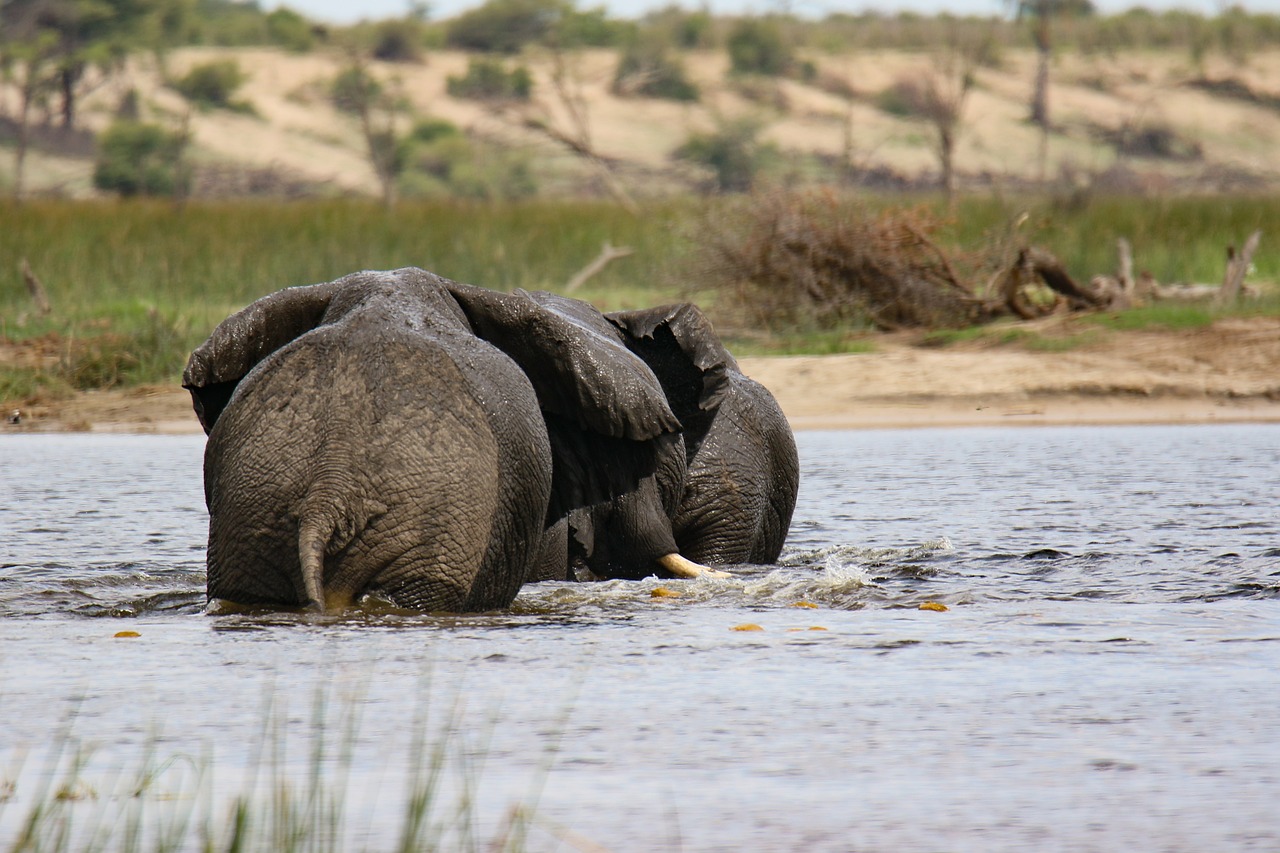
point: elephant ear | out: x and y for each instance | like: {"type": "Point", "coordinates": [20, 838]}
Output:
{"type": "Point", "coordinates": [578, 372]}
{"type": "Point", "coordinates": [246, 338]}
{"type": "Point", "coordinates": [604, 408]}
{"type": "Point", "coordinates": [681, 347]}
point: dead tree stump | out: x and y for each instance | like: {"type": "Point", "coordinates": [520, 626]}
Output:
{"type": "Point", "coordinates": [1237, 266]}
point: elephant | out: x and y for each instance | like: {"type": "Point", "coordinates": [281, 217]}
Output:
{"type": "Point", "coordinates": [402, 434]}
{"type": "Point", "coordinates": [723, 492]}
{"type": "Point", "coordinates": [612, 538]}
{"type": "Point", "coordinates": [743, 471]}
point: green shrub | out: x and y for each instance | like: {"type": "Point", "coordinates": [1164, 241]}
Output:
{"type": "Point", "coordinates": [398, 40]}
{"type": "Point", "coordinates": [733, 152]}
{"type": "Point", "coordinates": [756, 46]}
{"type": "Point", "coordinates": [591, 28]}
{"type": "Point", "coordinates": [354, 90]}
{"type": "Point", "coordinates": [290, 30]}
{"type": "Point", "coordinates": [488, 80]}
{"type": "Point", "coordinates": [440, 161]}
{"type": "Point", "coordinates": [431, 129]}
{"type": "Point", "coordinates": [493, 175]}
{"type": "Point", "coordinates": [211, 85]}
{"type": "Point", "coordinates": [646, 69]}
{"type": "Point", "coordinates": [905, 98]}
{"type": "Point", "coordinates": [678, 28]}
{"type": "Point", "coordinates": [505, 26]}
{"type": "Point", "coordinates": [694, 30]}
{"type": "Point", "coordinates": [135, 158]}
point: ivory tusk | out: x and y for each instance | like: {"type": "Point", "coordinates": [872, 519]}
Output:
{"type": "Point", "coordinates": [682, 568]}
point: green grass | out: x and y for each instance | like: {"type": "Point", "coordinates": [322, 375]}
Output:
{"type": "Point", "coordinates": [939, 338]}
{"type": "Point", "coordinates": [1184, 315]}
{"type": "Point", "coordinates": [1177, 239]}
{"type": "Point", "coordinates": [820, 342]}
{"type": "Point", "coordinates": [136, 285]}
{"type": "Point", "coordinates": [1165, 315]}
{"type": "Point", "coordinates": [1001, 335]}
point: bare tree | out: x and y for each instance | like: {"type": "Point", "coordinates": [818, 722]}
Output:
{"type": "Point", "coordinates": [574, 130]}
{"type": "Point", "coordinates": [32, 67]}
{"type": "Point", "coordinates": [356, 91]}
{"type": "Point", "coordinates": [1041, 15]}
{"type": "Point", "coordinates": [946, 88]}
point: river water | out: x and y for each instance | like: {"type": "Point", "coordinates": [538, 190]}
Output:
{"type": "Point", "coordinates": [1105, 675]}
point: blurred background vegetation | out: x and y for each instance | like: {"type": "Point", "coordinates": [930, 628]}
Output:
{"type": "Point", "coordinates": [137, 273]}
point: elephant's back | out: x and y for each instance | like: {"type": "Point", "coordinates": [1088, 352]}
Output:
{"type": "Point", "coordinates": [394, 443]}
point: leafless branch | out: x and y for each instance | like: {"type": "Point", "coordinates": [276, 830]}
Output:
{"type": "Point", "coordinates": [608, 254]}
{"type": "Point", "coordinates": [35, 288]}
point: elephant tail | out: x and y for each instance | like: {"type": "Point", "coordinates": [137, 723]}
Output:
{"type": "Point", "coordinates": [325, 527]}
{"type": "Point", "coordinates": [313, 542]}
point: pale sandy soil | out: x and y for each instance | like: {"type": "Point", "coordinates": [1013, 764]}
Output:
{"type": "Point", "coordinates": [1226, 374]}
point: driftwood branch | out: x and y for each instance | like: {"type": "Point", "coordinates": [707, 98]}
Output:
{"type": "Point", "coordinates": [1034, 263]}
{"type": "Point", "coordinates": [608, 254]}
{"type": "Point", "coordinates": [35, 288]}
{"type": "Point", "coordinates": [1237, 266]}
{"type": "Point", "coordinates": [1119, 290]}
{"type": "Point", "coordinates": [1055, 276]}
{"type": "Point", "coordinates": [1127, 284]}
{"type": "Point", "coordinates": [1010, 289]}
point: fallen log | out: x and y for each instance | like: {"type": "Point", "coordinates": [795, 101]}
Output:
{"type": "Point", "coordinates": [1055, 276]}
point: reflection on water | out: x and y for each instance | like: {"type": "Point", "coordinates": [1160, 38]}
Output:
{"type": "Point", "coordinates": [1104, 677]}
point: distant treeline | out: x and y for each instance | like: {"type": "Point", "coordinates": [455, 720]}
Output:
{"type": "Point", "coordinates": [506, 26]}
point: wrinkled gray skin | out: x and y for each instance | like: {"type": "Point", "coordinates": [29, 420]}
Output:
{"type": "Point", "coordinates": [403, 434]}
{"type": "Point", "coordinates": [743, 471]}
{"type": "Point", "coordinates": [615, 538]}
{"type": "Point", "coordinates": [724, 493]}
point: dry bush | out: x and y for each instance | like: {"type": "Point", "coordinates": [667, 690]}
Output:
{"type": "Point", "coordinates": [787, 261]}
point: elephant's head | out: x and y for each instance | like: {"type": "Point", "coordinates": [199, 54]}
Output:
{"type": "Point", "coordinates": [622, 536]}
{"type": "Point", "coordinates": [695, 370]}
{"type": "Point", "coordinates": [743, 471]}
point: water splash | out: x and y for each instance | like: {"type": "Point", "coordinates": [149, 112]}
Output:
{"type": "Point", "coordinates": [837, 556]}
{"type": "Point", "coordinates": [845, 577]}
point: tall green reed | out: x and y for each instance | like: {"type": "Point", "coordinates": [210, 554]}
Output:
{"type": "Point", "coordinates": [159, 805]}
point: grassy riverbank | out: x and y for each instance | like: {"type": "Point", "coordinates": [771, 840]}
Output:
{"type": "Point", "coordinates": [133, 286]}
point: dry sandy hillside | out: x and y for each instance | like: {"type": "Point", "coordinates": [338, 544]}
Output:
{"type": "Point", "coordinates": [1223, 374]}
{"type": "Point", "coordinates": [1228, 372]}
{"type": "Point", "coordinates": [298, 133]}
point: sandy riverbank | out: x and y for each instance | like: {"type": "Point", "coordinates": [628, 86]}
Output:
{"type": "Point", "coordinates": [1229, 373]}
{"type": "Point", "coordinates": [167, 411]}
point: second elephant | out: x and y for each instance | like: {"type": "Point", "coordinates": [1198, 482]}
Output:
{"type": "Point", "coordinates": [726, 489]}
{"type": "Point", "coordinates": [743, 472]}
